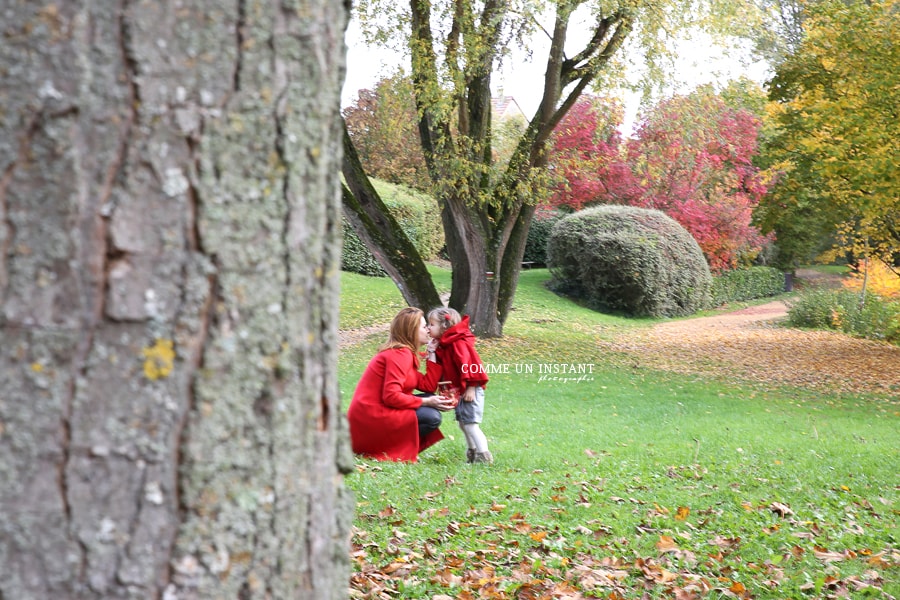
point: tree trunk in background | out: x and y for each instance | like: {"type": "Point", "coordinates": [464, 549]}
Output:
{"type": "Point", "coordinates": [170, 425]}
{"type": "Point", "coordinates": [486, 212]}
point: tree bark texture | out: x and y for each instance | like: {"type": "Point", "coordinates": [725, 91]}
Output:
{"type": "Point", "coordinates": [170, 425]}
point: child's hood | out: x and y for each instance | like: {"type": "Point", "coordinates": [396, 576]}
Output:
{"type": "Point", "coordinates": [458, 332]}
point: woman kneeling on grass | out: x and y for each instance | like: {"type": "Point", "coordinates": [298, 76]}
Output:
{"type": "Point", "coordinates": [387, 422]}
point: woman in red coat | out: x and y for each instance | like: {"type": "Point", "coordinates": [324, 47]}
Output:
{"type": "Point", "coordinates": [387, 422]}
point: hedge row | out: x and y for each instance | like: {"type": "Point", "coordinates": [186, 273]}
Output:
{"type": "Point", "coordinates": [541, 225]}
{"type": "Point", "coordinates": [746, 284]}
{"type": "Point", "coordinates": [418, 215]}
{"type": "Point", "coordinates": [355, 257]}
{"type": "Point", "coordinates": [868, 316]}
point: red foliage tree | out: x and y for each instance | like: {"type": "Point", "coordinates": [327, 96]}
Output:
{"type": "Point", "coordinates": [694, 158]}
{"type": "Point", "coordinates": [690, 158]}
{"type": "Point", "coordinates": [586, 161]}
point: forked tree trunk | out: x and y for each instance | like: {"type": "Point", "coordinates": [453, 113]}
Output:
{"type": "Point", "coordinates": [170, 425]}
{"type": "Point", "coordinates": [486, 218]}
{"type": "Point", "coordinates": [486, 265]}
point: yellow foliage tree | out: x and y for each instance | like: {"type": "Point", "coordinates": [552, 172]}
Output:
{"type": "Point", "coordinates": [835, 153]}
{"type": "Point", "coordinates": [876, 277]}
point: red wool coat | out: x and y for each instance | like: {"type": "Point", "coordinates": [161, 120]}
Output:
{"type": "Point", "coordinates": [457, 355]}
{"type": "Point", "coordinates": [382, 415]}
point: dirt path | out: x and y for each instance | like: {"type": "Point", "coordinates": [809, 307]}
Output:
{"type": "Point", "coordinates": [752, 345]}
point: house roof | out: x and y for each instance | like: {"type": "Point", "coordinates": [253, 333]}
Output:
{"type": "Point", "coordinates": [506, 107]}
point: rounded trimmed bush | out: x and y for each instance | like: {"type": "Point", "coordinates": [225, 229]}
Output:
{"type": "Point", "coordinates": [628, 259]}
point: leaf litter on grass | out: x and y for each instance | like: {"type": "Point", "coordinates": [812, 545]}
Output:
{"type": "Point", "coordinates": [494, 552]}
{"type": "Point", "coordinates": [510, 558]}
{"type": "Point", "coordinates": [750, 345]}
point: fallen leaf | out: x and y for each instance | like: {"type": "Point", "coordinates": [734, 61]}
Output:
{"type": "Point", "coordinates": [781, 509]}
{"type": "Point", "coordinates": [399, 568]}
{"type": "Point", "coordinates": [827, 556]}
{"type": "Point", "coordinates": [725, 543]}
{"type": "Point", "coordinates": [666, 544]}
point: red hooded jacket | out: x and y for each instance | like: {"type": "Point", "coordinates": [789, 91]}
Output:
{"type": "Point", "coordinates": [382, 413]}
{"type": "Point", "coordinates": [458, 358]}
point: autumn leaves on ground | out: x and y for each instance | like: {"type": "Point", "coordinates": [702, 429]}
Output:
{"type": "Point", "coordinates": [717, 457]}
{"type": "Point", "coordinates": [750, 344]}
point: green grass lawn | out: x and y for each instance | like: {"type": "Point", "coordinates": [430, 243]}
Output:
{"type": "Point", "coordinates": [368, 301]}
{"type": "Point", "coordinates": [623, 483]}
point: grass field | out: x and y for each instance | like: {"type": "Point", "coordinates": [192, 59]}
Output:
{"type": "Point", "coordinates": [616, 482]}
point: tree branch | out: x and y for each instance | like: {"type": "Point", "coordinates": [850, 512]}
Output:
{"type": "Point", "coordinates": [382, 234]}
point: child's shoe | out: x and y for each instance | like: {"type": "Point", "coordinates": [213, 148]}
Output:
{"type": "Point", "coordinates": [470, 455]}
{"type": "Point", "coordinates": [483, 457]}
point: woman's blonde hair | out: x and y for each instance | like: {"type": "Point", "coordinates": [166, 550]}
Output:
{"type": "Point", "coordinates": [445, 317]}
{"type": "Point", "coordinates": [405, 331]}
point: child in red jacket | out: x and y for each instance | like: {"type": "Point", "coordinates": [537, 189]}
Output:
{"type": "Point", "coordinates": [454, 346]}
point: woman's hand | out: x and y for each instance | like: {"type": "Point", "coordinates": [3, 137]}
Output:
{"type": "Point", "coordinates": [469, 396]}
{"type": "Point", "coordinates": [439, 402]}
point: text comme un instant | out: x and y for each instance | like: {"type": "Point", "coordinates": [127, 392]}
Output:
{"type": "Point", "coordinates": [540, 368]}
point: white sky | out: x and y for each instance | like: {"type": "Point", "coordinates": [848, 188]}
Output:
{"type": "Point", "coordinates": [699, 63]}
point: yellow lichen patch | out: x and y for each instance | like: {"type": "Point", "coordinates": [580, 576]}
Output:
{"type": "Point", "coordinates": [37, 367]}
{"type": "Point", "coordinates": [159, 359]}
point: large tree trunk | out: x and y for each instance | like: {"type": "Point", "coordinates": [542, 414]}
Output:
{"type": "Point", "coordinates": [170, 425]}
